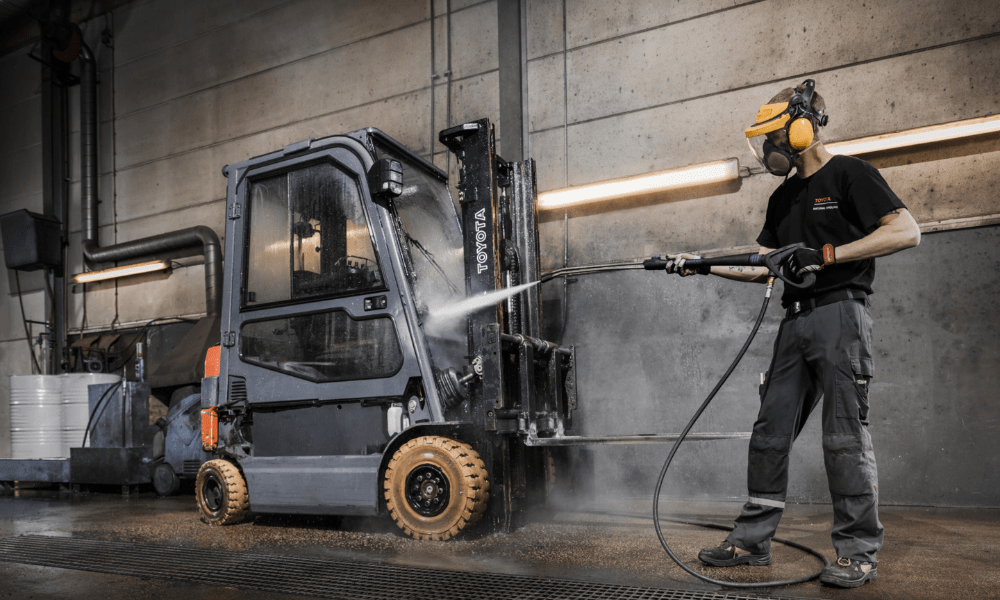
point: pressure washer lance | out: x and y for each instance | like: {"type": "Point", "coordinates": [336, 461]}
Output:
{"type": "Point", "coordinates": [775, 262]}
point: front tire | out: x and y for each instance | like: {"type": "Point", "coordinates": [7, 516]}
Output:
{"type": "Point", "coordinates": [436, 487]}
{"type": "Point", "coordinates": [222, 493]}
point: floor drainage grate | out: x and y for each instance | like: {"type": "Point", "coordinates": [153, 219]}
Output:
{"type": "Point", "coordinates": [319, 577]}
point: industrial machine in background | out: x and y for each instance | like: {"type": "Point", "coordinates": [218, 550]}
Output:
{"type": "Point", "coordinates": [87, 429]}
{"type": "Point", "coordinates": [181, 455]}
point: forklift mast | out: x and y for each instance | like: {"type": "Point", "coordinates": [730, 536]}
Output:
{"type": "Point", "coordinates": [526, 384]}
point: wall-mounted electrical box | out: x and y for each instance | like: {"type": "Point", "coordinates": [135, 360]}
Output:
{"type": "Point", "coordinates": [31, 241]}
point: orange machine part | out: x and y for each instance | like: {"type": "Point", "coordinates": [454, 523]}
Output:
{"type": "Point", "coordinates": [209, 429]}
{"type": "Point", "coordinates": [212, 358]}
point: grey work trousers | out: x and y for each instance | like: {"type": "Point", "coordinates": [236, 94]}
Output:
{"type": "Point", "coordinates": [820, 353]}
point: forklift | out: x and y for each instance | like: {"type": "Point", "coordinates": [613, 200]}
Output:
{"type": "Point", "coordinates": [341, 385]}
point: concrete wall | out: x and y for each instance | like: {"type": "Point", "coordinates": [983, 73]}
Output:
{"type": "Point", "coordinates": [615, 89]}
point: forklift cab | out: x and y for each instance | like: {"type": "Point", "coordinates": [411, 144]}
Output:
{"type": "Point", "coordinates": [327, 291]}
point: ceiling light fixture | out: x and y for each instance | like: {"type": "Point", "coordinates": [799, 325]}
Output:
{"type": "Point", "coordinates": [672, 179]}
{"type": "Point", "coordinates": [123, 271]}
{"type": "Point", "coordinates": [918, 136]}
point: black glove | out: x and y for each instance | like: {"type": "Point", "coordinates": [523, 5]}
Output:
{"type": "Point", "coordinates": [807, 260]}
{"type": "Point", "coordinates": [676, 265]}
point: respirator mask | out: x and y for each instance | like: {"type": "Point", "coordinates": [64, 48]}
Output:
{"type": "Point", "coordinates": [791, 129]}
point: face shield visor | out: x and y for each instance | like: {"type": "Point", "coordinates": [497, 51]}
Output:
{"type": "Point", "coordinates": [769, 138]}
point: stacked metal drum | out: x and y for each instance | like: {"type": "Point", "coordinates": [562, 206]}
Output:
{"type": "Point", "coordinates": [49, 413]}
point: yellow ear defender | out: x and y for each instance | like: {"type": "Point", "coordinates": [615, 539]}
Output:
{"type": "Point", "coordinates": [800, 133]}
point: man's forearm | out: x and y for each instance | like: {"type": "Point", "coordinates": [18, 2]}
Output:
{"type": "Point", "coordinates": [748, 274]}
{"type": "Point", "coordinates": [896, 231]}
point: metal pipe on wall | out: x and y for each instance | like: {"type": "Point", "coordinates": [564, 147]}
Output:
{"type": "Point", "coordinates": [182, 239]}
{"type": "Point", "coordinates": [55, 176]}
{"type": "Point", "coordinates": [88, 149]}
{"type": "Point", "coordinates": [173, 241]}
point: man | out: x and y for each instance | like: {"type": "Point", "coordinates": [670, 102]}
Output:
{"type": "Point", "coordinates": [844, 212]}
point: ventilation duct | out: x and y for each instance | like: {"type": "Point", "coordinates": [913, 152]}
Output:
{"type": "Point", "coordinates": [182, 239]}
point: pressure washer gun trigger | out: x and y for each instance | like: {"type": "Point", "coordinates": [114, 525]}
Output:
{"type": "Point", "coordinates": [777, 262]}
{"type": "Point", "coordinates": [655, 263]}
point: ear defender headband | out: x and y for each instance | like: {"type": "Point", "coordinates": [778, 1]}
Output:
{"type": "Point", "coordinates": [793, 116]}
{"type": "Point", "coordinates": [800, 131]}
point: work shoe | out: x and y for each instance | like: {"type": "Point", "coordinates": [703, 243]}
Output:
{"type": "Point", "coordinates": [848, 573]}
{"type": "Point", "coordinates": [728, 555]}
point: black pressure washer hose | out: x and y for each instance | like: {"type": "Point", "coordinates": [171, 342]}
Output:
{"type": "Point", "coordinates": [775, 261]}
{"type": "Point", "coordinates": [670, 457]}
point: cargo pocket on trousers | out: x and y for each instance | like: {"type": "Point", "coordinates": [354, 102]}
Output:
{"type": "Point", "coordinates": [853, 401]}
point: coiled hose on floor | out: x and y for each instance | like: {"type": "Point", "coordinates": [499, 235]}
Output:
{"type": "Point", "coordinates": [666, 465]}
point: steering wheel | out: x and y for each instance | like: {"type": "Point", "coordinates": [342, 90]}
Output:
{"type": "Point", "coordinates": [342, 276]}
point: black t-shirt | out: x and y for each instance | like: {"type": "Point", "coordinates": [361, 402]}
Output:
{"type": "Point", "coordinates": [840, 203]}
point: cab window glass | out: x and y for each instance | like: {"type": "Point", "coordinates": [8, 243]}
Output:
{"type": "Point", "coordinates": [308, 237]}
{"type": "Point", "coordinates": [321, 347]}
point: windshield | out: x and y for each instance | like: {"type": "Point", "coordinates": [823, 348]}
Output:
{"type": "Point", "coordinates": [431, 238]}
{"type": "Point", "coordinates": [308, 238]}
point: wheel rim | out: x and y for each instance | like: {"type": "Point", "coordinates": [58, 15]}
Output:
{"type": "Point", "coordinates": [212, 494]}
{"type": "Point", "coordinates": [427, 490]}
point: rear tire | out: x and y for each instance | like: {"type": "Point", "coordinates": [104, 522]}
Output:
{"type": "Point", "coordinates": [222, 493]}
{"type": "Point", "coordinates": [165, 481]}
{"type": "Point", "coordinates": [436, 487]}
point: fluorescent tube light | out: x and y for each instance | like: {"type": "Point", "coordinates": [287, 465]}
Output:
{"type": "Point", "coordinates": [123, 271]}
{"type": "Point", "coordinates": [914, 137]}
{"type": "Point", "coordinates": [700, 174]}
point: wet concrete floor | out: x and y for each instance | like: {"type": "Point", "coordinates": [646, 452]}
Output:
{"type": "Point", "coordinates": [929, 553]}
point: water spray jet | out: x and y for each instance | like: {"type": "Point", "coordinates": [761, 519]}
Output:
{"type": "Point", "coordinates": [479, 301]}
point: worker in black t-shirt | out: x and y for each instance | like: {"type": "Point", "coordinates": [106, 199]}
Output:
{"type": "Point", "coordinates": [846, 215]}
